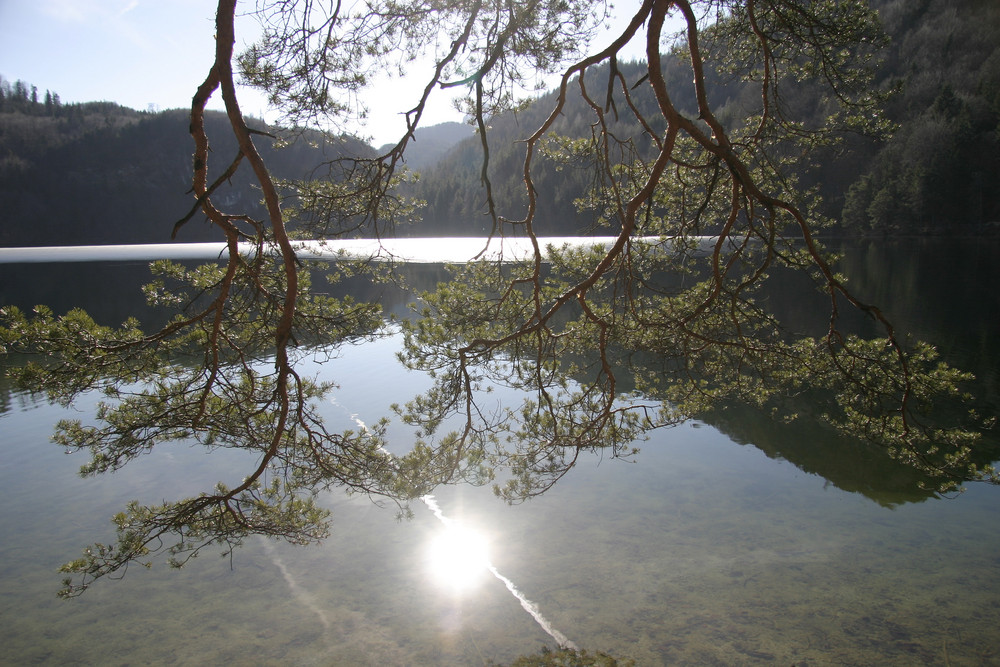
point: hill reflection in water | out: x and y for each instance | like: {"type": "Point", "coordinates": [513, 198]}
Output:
{"type": "Point", "coordinates": [804, 548]}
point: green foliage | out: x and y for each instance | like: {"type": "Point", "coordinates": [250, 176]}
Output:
{"type": "Point", "coordinates": [933, 175]}
{"type": "Point", "coordinates": [654, 346]}
{"type": "Point", "coordinates": [222, 518]}
{"type": "Point", "coordinates": [585, 350]}
{"type": "Point", "coordinates": [209, 377]}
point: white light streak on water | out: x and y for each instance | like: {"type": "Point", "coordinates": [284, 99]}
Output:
{"type": "Point", "coordinates": [526, 604]}
{"type": "Point", "coordinates": [300, 593]}
{"type": "Point", "coordinates": [353, 416]}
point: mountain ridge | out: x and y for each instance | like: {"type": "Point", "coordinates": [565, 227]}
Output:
{"type": "Point", "coordinates": [101, 173]}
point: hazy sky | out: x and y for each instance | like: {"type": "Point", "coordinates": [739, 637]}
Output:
{"type": "Point", "coordinates": [152, 52]}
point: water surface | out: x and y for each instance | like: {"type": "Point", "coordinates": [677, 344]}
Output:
{"type": "Point", "coordinates": [727, 541]}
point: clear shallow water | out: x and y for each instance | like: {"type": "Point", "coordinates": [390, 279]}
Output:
{"type": "Point", "coordinates": [735, 543]}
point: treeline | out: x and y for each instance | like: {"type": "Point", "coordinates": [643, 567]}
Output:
{"type": "Point", "coordinates": [934, 176]}
{"type": "Point", "coordinates": [23, 97]}
{"type": "Point", "coordinates": [32, 125]}
{"type": "Point", "coordinates": [100, 173]}
{"type": "Point", "coordinates": [937, 173]}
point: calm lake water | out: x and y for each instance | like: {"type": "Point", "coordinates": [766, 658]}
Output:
{"type": "Point", "coordinates": [729, 541]}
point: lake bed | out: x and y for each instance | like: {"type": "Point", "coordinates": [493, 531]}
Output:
{"type": "Point", "coordinates": [729, 540]}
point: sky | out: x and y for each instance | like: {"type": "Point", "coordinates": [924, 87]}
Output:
{"type": "Point", "coordinates": [153, 54]}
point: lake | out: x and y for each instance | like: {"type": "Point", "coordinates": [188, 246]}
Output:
{"type": "Point", "coordinates": [727, 541]}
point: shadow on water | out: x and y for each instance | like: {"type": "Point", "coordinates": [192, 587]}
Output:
{"type": "Point", "coordinates": [109, 291]}
{"type": "Point", "coordinates": [850, 465]}
{"type": "Point", "coordinates": [940, 290]}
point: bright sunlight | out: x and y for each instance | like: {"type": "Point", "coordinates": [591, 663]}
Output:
{"type": "Point", "coordinates": [458, 557]}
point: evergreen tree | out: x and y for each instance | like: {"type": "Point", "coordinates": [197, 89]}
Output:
{"type": "Point", "coordinates": [603, 343]}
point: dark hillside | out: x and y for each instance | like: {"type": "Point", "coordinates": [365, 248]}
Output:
{"type": "Point", "coordinates": [932, 177]}
{"type": "Point", "coordinates": [453, 188]}
{"type": "Point", "coordinates": [101, 173]}
{"type": "Point", "coordinates": [124, 177]}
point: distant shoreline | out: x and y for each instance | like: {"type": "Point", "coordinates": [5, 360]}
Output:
{"type": "Point", "coordinates": [414, 250]}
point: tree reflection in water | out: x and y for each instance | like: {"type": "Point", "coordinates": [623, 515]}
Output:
{"type": "Point", "coordinates": [596, 346]}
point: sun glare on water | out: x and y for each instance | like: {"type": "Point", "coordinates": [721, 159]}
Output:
{"type": "Point", "coordinates": [458, 557]}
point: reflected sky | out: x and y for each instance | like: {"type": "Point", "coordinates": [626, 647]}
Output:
{"type": "Point", "coordinates": [459, 558]}
{"type": "Point", "coordinates": [733, 542]}
{"type": "Point", "coordinates": [458, 554]}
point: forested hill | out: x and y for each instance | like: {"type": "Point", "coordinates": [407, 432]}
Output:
{"type": "Point", "coordinates": [937, 174]}
{"type": "Point", "coordinates": [101, 173]}
{"type": "Point", "coordinates": [934, 176]}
